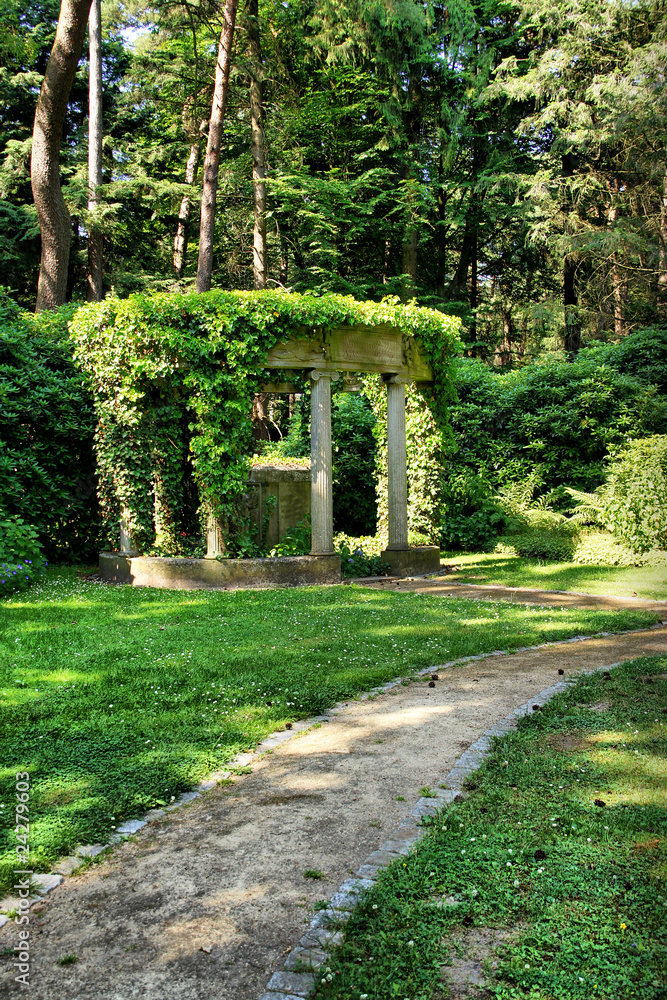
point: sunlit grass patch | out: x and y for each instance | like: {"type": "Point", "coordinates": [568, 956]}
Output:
{"type": "Point", "coordinates": [516, 571]}
{"type": "Point", "coordinates": [115, 700]}
{"type": "Point", "coordinates": [561, 845]}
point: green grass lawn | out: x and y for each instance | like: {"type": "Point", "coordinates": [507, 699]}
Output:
{"type": "Point", "coordinates": [514, 571]}
{"type": "Point", "coordinates": [578, 888]}
{"type": "Point", "coordinates": [117, 699]}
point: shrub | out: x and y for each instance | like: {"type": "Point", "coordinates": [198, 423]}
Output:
{"type": "Point", "coordinates": [360, 556]}
{"type": "Point", "coordinates": [533, 528]}
{"type": "Point", "coordinates": [353, 443]}
{"type": "Point", "coordinates": [636, 501]}
{"type": "Point", "coordinates": [472, 517]}
{"type": "Point", "coordinates": [21, 558]}
{"type": "Point", "coordinates": [559, 417]}
{"type": "Point", "coordinates": [296, 541]}
{"type": "Point", "coordinates": [47, 470]}
{"type": "Point", "coordinates": [599, 548]}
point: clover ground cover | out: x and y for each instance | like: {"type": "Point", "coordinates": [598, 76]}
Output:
{"type": "Point", "coordinates": [115, 700]}
{"type": "Point", "coordinates": [555, 864]}
{"type": "Point", "coordinates": [649, 582]}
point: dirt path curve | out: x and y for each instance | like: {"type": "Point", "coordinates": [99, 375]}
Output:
{"type": "Point", "coordinates": [205, 904]}
{"type": "Point", "coordinates": [440, 586]}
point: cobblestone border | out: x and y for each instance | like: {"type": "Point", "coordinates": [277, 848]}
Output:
{"type": "Point", "coordinates": [324, 932]}
{"type": "Point", "coordinates": [399, 842]}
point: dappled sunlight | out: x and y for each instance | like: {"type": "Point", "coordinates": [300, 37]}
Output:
{"type": "Point", "coordinates": [156, 690]}
{"type": "Point", "coordinates": [515, 571]}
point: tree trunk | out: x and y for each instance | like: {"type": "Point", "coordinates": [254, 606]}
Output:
{"type": "Point", "coordinates": [54, 221]}
{"type": "Point", "coordinates": [472, 332]}
{"type": "Point", "coordinates": [409, 281]}
{"type": "Point", "coordinates": [570, 303]}
{"type": "Point", "coordinates": [505, 353]}
{"type": "Point", "coordinates": [95, 237]}
{"type": "Point", "coordinates": [212, 161]}
{"type": "Point", "coordinates": [181, 238]}
{"type": "Point", "coordinates": [284, 255]}
{"type": "Point", "coordinates": [616, 283]}
{"type": "Point", "coordinates": [258, 147]}
{"type": "Point", "coordinates": [662, 274]}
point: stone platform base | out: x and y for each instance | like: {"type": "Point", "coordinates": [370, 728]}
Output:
{"type": "Point", "coordinates": [224, 574]}
{"type": "Point", "coordinates": [414, 561]}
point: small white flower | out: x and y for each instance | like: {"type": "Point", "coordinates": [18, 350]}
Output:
{"type": "Point", "coordinates": [516, 882]}
{"type": "Point", "coordinates": [411, 944]}
{"type": "Point", "coordinates": [526, 966]}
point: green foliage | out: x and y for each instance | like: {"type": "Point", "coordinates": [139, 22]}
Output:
{"type": "Point", "coordinates": [150, 711]}
{"type": "Point", "coordinates": [353, 445]}
{"type": "Point", "coordinates": [558, 418]}
{"type": "Point", "coordinates": [600, 548]}
{"type": "Point", "coordinates": [296, 541]}
{"type": "Point", "coordinates": [360, 556]}
{"type": "Point", "coordinates": [472, 516]}
{"type": "Point", "coordinates": [636, 502]}
{"type": "Point", "coordinates": [155, 362]}
{"type": "Point", "coordinates": [428, 438]}
{"type": "Point", "coordinates": [533, 527]}
{"type": "Point", "coordinates": [47, 470]}
{"type": "Point", "coordinates": [632, 503]}
{"type": "Point", "coordinates": [21, 558]}
{"type": "Point", "coordinates": [559, 843]}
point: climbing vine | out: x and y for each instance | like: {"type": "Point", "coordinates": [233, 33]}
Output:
{"type": "Point", "coordinates": [162, 364]}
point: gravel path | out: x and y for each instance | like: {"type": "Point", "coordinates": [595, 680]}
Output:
{"type": "Point", "coordinates": [206, 903]}
{"type": "Point", "coordinates": [440, 586]}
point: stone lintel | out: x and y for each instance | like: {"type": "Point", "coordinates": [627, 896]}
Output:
{"type": "Point", "coordinates": [356, 348]}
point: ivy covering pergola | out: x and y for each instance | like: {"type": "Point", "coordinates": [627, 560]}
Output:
{"type": "Point", "coordinates": [162, 364]}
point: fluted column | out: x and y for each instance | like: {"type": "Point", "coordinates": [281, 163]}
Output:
{"type": "Point", "coordinates": [127, 546]}
{"type": "Point", "coordinates": [397, 483]}
{"type": "Point", "coordinates": [215, 537]}
{"type": "Point", "coordinates": [321, 491]}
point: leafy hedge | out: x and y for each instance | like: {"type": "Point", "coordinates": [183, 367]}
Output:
{"type": "Point", "coordinates": [47, 419]}
{"type": "Point", "coordinates": [21, 558]}
{"type": "Point", "coordinates": [158, 362]}
{"type": "Point", "coordinates": [554, 421]}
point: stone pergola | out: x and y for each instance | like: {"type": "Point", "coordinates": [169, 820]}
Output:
{"type": "Point", "coordinates": [327, 356]}
{"type": "Point", "coordinates": [400, 360]}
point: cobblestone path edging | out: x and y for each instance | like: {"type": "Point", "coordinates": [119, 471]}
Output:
{"type": "Point", "coordinates": [324, 931]}
{"type": "Point", "coordinates": [313, 950]}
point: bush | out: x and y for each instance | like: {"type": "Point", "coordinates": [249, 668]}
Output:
{"type": "Point", "coordinates": [296, 541]}
{"type": "Point", "coordinates": [472, 517]}
{"type": "Point", "coordinates": [600, 548]}
{"type": "Point", "coordinates": [533, 528]}
{"type": "Point", "coordinates": [558, 417]}
{"type": "Point", "coordinates": [636, 501]}
{"type": "Point", "coordinates": [47, 469]}
{"type": "Point", "coordinates": [360, 556]}
{"type": "Point", "coordinates": [21, 558]}
{"type": "Point", "coordinates": [353, 443]}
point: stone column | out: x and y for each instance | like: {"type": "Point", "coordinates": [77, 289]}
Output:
{"type": "Point", "coordinates": [215, 537]}
{"type": "Point", "coordinates": [321, 492]}
{"type": "Point", "coordinates": [397, 483]}
{"type": "Point", "coordinates": [127, 546]}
